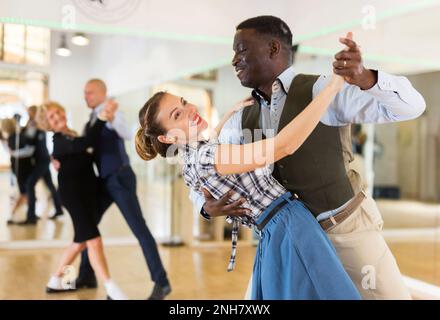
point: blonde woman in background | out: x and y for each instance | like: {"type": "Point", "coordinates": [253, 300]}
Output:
{"type": "Point", "coordinates": [78, 186]}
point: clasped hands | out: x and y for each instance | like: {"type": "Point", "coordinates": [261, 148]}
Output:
{"type": "Point", "coordinates": [108, 113]}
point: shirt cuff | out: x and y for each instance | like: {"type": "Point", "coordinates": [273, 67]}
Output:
{"type": "Point", "coordinates": [100, 117]}
{"type": "Point", "coordinates": [204, 214]}
{"type": "Point", "coordinates": [385, 82]}
{"type": "Point", "coordinates": [389, 85]}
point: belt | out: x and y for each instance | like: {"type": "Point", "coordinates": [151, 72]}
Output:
{"type": "Point", "coordinates": [259, 227]}
{"type": "Point", "coordinates": [273, 212]}
{"type": "Point", "coordinates": [344, 213]}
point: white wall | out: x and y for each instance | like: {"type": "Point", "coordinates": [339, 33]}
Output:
{"type": "Point", "coordinates": [386, 161]}
{"type": "Point", "coordinates": [129, 63]}
{"type": "Point", "coordinates": [411, 158]}
{"type": "Point", "coordinates": [67, 78]}
{"type": "Point", "coordinates": [429, 151]}
{"type": "Point", "coordinates": [226, 89]}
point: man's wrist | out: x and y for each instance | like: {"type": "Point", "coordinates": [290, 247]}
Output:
{"type": "Point", "coordinates": [101, 116]}
{"type": "Point", "coordinates": [369, 79]}
{"type": "Point", "coordinates": [205, 214]}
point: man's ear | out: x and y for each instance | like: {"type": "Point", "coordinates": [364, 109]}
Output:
{"type": "Point", "coordinates": [275, 48]}
{"type": "Point", "coordinates": [166, 139]}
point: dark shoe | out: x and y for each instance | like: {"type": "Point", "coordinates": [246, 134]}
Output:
{"type": "Point", "coordinates": [50, 290]}
{"type": "Point", "coordinates": [160, 292]}
{"type": "Point", "coordinates": [108, 298]}
{"type": "Point", "coordinates": [10, 222]}
{"type": "Point", "coordinates": [27, 222]}
{"type": "Point", "coordinates": [86, 283]}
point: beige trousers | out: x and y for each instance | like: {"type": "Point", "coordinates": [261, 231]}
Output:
{"type": "Point", "coordinates": [365, 255]}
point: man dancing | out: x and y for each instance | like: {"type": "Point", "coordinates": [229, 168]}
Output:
{"type": "Point", "coordinates": [319, 172]}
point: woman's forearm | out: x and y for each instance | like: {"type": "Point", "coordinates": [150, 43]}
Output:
{"type": "Point", "coordinates": [25, 152]}
{"type": "Point", "coordinates": [232, 159]}
{"type": "Point", "coordinates": [293, 135]}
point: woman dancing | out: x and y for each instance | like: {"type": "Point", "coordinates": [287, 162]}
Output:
{"type": "Point", "coordinates": [295, 259]}
{"type": "Point", "coordinates": [78, 187]}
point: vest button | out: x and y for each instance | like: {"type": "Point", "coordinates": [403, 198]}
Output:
{"type": "Point", "coordinates": [285, 181]}
{"type": "Point", "coordinates": [281, 166]}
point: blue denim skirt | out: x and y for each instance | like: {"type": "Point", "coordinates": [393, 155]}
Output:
{"type": "Point", "coordinates": [295, 260]}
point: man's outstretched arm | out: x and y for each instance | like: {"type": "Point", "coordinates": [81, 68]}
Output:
{"type": "Point", "coordinates": [369, 96]}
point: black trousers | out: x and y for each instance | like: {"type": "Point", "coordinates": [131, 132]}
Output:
{"type": "Point", "coordinates": [120, 188]}
{"type": "Point", "coordinates": [41, 170]}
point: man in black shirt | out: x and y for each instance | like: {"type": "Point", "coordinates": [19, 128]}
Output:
{"type": "Point", "coordinates": [37, 138]}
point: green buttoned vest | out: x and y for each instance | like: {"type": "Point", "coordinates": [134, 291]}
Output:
{"type": "Point", "coordinates": [318, 172]}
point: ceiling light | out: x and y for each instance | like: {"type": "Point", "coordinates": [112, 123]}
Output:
{"type": "Point", "coordinates": [80, 39]}
{"type": "Point", "coordinates": [63, 50]}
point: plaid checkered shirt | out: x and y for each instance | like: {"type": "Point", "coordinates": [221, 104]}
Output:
{"type": "Point", "coordinates": [258, 187]}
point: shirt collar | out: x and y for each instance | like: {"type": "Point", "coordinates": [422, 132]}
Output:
{"type": "Point", "coordinates": [285, 79]}
{"type": "Point", "coordinates": [189, 149]}
{"type": "Point", "coordinates": [256, 94]}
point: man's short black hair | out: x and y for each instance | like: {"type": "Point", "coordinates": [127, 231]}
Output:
{"type": "Point", "coordinates": [271, 26]}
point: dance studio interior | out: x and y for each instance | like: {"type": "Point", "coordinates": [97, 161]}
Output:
{"type": "Point", "coordinates": [51, 49]}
